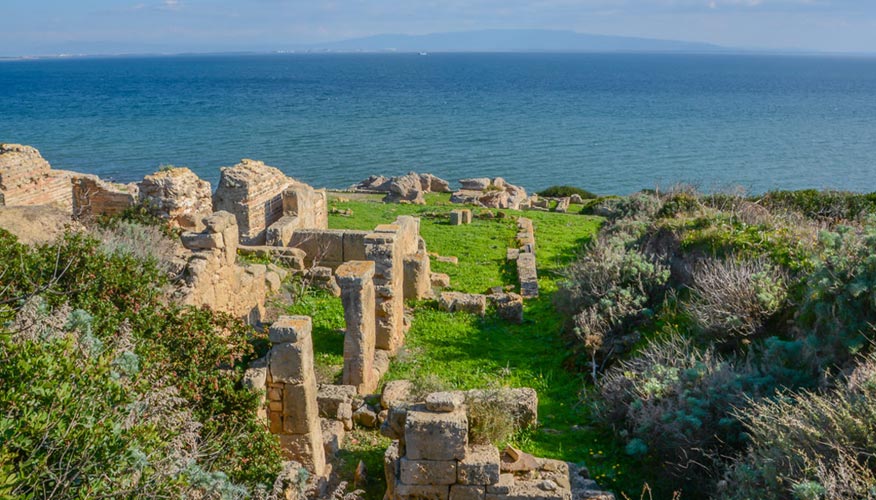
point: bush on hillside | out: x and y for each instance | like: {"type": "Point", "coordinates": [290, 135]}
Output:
{"type": "Point", "coordinates": [197, 353]}
{"type": "Point", "coordinates": [810, 445]}
{"type": "Point", "coordinates": [732, 298]}
{"type": "Point", "coordinates": [639, 206]}
{"type": "Point", "coordinates": [829, 205]}
{"type": "Point", "coordinates": [565, 192]}
{"type": "Point", "coordinates": [673, 402]}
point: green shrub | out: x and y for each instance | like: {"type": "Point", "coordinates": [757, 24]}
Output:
{"type": "Point", "coordinates": [830, 205]}
{"type": "Point", "coordinates": [566, 191]}
{"type": "Point", "coordinates": [639, 206]}
{"type": "Point", "coordinates": [732, 298]}
{"type": "Point", "coordinates": [195, 352]}
{"type": "Point", "coordinates": [811, 445]}
{"type": "Point", "coordinates": [674, 402]}
{"type": "Point", "coordinates": [490, 421]}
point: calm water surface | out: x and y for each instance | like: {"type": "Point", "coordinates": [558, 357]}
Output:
{"type": "Point", "coordinates": [610, 123]}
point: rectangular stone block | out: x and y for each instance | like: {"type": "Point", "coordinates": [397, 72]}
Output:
{"type": "Point", "coordinates": [358, 297]}
{"type": "Point", "coordinates": [466, 216]}
{"type": "Point", "coordinates": [435, 436]}
{"type": "Point", "coordinates": [275, 420]}
{"type": "Point", "coordinates": [391, 468]}
{"type": "Point", "coordinates": [300, 408]}
{"type": "Point", "coordinates": [467, 492]}
{"type": "Point", "coordinates": [456, 218]}
{"type": "Point", "coordinates": [279, 234]}
{"type": "Point", "coordinates": [421, 492]}
{"type": "Point", "coordinates": [354, 245]}
{"type": "Point", "coordinates": [427, 471]}
{"type": "Point", "coordinates": [503, 487]}
{"type": "Point", "coordinates": [307, 449]}
{"type": "Point", "coordinates": [480, 466]}
{"type": "Point", "coordinates": [292, 363]}
{"type": "Point", "coordinates": [290, 329]}
{"type": "Point", "coordinates": [418, 276]}
{"type": "Point", "coordinates": [202, 241]}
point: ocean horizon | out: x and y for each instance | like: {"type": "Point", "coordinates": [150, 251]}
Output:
{"type": "Point", "coordinates": [610, 123]}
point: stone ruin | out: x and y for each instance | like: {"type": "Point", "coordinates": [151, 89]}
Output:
{"type": "Point", "coordinates": [460, 217]}
{"type": "Point", "coordinates": [178, 195]}
{"type": "Point", "coordinates": [489, 193]}
{"type": "Point", "coordinates": [215, 280]}
{"type": "Point", "coordinates": [260, 196]}
{"type": "Point", "coordinates": [287, 381]}
{"type": "Point", "coordinates": [407, 188]}
{"type": "Point", "coordinates": [432, 457]}
{"type": "Point", "coordinates": [524, 256]}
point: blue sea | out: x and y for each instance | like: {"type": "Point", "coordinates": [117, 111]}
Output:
{"type": "Point", "coordinates": [611, 123]}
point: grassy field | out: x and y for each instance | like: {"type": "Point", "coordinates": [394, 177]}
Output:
{"type": "Point", "coordinates": [462, 351]}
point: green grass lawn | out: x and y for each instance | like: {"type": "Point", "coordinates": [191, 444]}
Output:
{"type": "Point", "coordinates": [462, 351]}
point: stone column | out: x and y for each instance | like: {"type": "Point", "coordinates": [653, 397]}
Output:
{"type": "Point", "coordinates": [293, 412]}
{"type": "Point", "coordinates": [357, 294]}
{"type": "Point", "coordinates": [381, 247]}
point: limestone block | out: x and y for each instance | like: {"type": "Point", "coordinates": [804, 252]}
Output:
{"type": "Point", "coordinates": [463, 302]}
{"type": "Point", "coordinates": [509, 306]}
{"type": "Point", "coordinates": [93, 197]}
{"type": "Point", "coordinates": [393, 426]}
{"type": "Point", "coordinates": [563, 205]}
{"type": "Point", "coordinates": [357, 294]}
{"type": "Point", "coordinates": [300, 409]}
{"type": "Point", "coordinates": [503, 486]}
{"type": "Point", "coordinates": [396, 392]}
{"type": "Point", "coordinates": [255, 377]}
{"type": "Point", "coordinates": [391, 468]}
{"type": "Point", "coordinates": [201, 241]}
{"type": "Point", "coordinates": [466, 216]}
{"type": "Point", "coordinates": [444, 402]}
{"type": "Point", "coordinates": [456, 218]}
{"type": "Point", "coordinates": [178, 195]}
{"type": "Point", "coordinates": [418, 275]}
{"type": "Point", "coordinates": [520, 402]}
{"type": "Point", "coordinates": [439, 280]}
{"type": "Point", "coordinates": [290, 329]}
{"type": "Point", "coordinates": [306, 449]}
{"type": "Point", "coordinates": [279, 234]}
{"type": "Point", "coordinates": [333, 398]}
{"type": "Point", "coordinates": [354, 245]}
{"type": "Point", "coordinates": [527, 275]}
{"type": "Point", "coordinates": [218, 222]}
{"type": "Point", "coordinates": [435, 436]}
{"type": "Point", "coordinates": [292, 363]}
{"type": "Point", "coordinates": [273, 282]}
{"type": "Point", "coordinates": [480, 466]}
{"type": "Point", "coordinates": [421, 492]}
{"type": "Point", "coordinates": [333, 433]}
{"type": "Point", "coordinates": [532, 490]}
{"type": "Point", "coordinates": [475, 184]}
{"type": "Point", "coordinates": [427, 471]}
{"type": "Point", "coordinates": [511, 254]}
{"type": "Point", "coordinates": [253, 192]}
{"type": "Point", "coordinates": [467, 492]}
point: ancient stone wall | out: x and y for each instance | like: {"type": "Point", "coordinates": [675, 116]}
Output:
{"type": "Point", "coordinates": [329, 247]}
{"type": "Point", "coordinates": [93, 197]}
{"type": "Point", "coordinates": [179, 196]}
{"type": "Point", "coordinates": [27, 179]}
{"type": "Point", "coordinates": [293, 411]}
{"type": "Point", "coordinates": [357, 294]}
{"type": "Point", "coordinates": [527, 273]}
{"type": "Point", "coordinates": [382, 248]}
{"type": "Point", "coordinates": [215, 280]}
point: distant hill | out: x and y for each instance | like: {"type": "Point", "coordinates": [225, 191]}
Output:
{"type": "Point", "coordinates": [512, 41]}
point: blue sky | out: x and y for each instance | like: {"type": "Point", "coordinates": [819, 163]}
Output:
{"type": "Point", "coordinates": [113, 26]}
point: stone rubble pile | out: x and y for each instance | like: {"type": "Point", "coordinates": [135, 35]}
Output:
{"type": "Point", "coordinates": [524, 256]}
{"type": "Point", "coordinates": [432, 457]}
{"type": "Point", "coordinates": [489, 193]}
{"type": "Point", "coordinates": [408, 188]}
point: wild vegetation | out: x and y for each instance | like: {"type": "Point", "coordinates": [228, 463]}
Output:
{"type": "Point", "coordinates": [730, 339]}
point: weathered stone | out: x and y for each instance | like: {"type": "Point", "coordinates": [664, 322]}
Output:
{"type": "Point", "coordinates": [26, 179]}
{"type": "Point", "coordinates": [202, 241]}
{"type": "Point", "coordinates": [178, 195]}
{"type": "Point", "coordinates": [396, 392]}
{"type": "Point", "coordinates": [381, 363]}
{"type": "Point", "coordinates": [333, 398]}
{"type": "Point", "coordinates": [511, 254]}
{"type": "Point", "coordinates": [527, 275]}
{"type": "Point", "coordinates": [444, 401]}
{"type": "Point", "coordinates": [357, 294]}
{"type": "Point", "coordinates": [427, 471]}
{"type": "Point", "coordinates": [290, 329]}
{"type": "Point", "coordinates": [256, 376]}
{"type": "Point", "coordinates": [509, 306]}
{"type": "Point", "coordinates": [417, 278]}
{"type": "Point", "coordinates": [467, 492]}
{"type": "Point", "coordinates": [503, 486]}
{"type": "Point", "coordinates": [448, 259]}
{"type": "Point", "coordinates": [393, 426]}
{"type": "Point", "coordinates": [365, 416]}
{"type": "Point", "coordinates": [407, 188]}
{"type": "Point", "coordinates": [435, 436]}
{"type": "Point", "coordinates": [520, 402]}
{"type": "Point", "coordinates": [300, 408]}
{"type": "Point", "coordinates": [333, 433]}
{"type": "Point", "coordinates": [456, 218]}
{"type": "Point", "coordinates": [391, 468]}
{"type": "Point", "coordinates": [463, 302]}
{"type": "Point", "coordinates": [439, 280]}
{"type": "Point", "coordinates": [421, 492]}
{"type": "Point", "coordinates": [93, 197]}
{"type": "Point", "coordinates": [306, 449]}
{"type": "Point", "coordinates": [292, 363]}
{"type": "Point", "coordinates": [279, 234]}
{"type": "Point", "coordinates": [576, 199]}
{"type": "Point", "coordinates": [562, 205]}
{"type": "Point", "coordinates": [480, 466]}
{"type": "Point", "coordinates": [382, 247]}
{"type": "Point", "coordinates": [475, 184]}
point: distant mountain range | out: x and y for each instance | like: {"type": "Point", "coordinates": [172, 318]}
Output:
{"type": "Point", "coordinates": [512, 41]}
